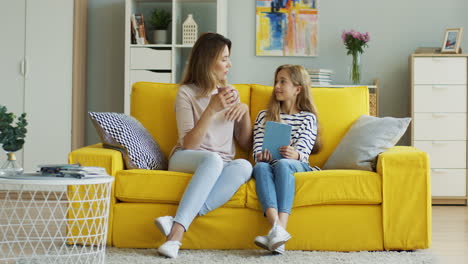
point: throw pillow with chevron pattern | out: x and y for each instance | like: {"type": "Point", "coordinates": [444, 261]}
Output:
{"type": "Point", "coordinates": [127, 135]}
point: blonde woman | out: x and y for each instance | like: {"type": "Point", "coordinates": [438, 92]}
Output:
{"type": "Point", "coordinates": [209, 117]}
{"type": "Point", "coordinates": [290, 103]}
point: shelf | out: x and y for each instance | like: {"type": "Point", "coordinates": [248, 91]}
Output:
{"type": "Point", "coordinates": [183, 46]}
{"type": "Point", "coordinates": [343, 86]}
{"type": "Point", "coordinates": [151, 46]}
{"type": "Point", "coordinates": [179, 1]}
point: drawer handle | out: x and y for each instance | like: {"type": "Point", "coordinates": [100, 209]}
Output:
{"type": "Point", "coordinates": [441, 170]}
{"type": "Point", "coordinates": [439, 59]}
{"type": "Point", "coordinates": [439, 143]}
{"type": "Point", "coordinates": [437, 115]}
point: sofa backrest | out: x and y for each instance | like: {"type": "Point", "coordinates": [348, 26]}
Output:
{"type": "Point", "coordinates": [337, 108]}
{"type": "Point", "coordinates": [153, 105]}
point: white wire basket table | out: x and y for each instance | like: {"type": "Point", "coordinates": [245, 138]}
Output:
{"type": "Point", "coordinates": [54, 220]}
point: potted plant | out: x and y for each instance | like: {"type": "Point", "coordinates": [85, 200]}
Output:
{"type": "Point", "coordinates": [160, 20]}
{"type": "Point", "coordinates": [11, 139]}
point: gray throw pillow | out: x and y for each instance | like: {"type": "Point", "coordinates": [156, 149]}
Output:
{"type": "Point", "coordinates": [365, 140]}
{"type": "Point", "coordinates": [127, 135]}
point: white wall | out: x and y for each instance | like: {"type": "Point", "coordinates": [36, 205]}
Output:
{"type": "Point", "coordinates": [396, 28]}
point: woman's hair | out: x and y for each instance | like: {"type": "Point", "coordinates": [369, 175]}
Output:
{"type": "Point", "coordinates": [304, 100]}
{"type": "Point", "coordinates": [199, 70]}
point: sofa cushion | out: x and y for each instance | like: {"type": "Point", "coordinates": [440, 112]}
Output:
{"type": "Point", "coordinates": [125, 134]}
{"type": "Point", "coordinates": [329, 187]}
{"type": "Point", "coordinates": [338, 108]}
{"type": "Point", "coordinates": [157, 186]}
{"type": "Point", "coordinates": [368, 137]}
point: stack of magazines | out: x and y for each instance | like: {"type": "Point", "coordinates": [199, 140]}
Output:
{"type": "Point", "coordinates": [320, 76]}
{"type": "Point", "coordinates": [71, 170]}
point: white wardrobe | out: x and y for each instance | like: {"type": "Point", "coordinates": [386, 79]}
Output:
{"type": "Point", "coordinates": [36, 51]}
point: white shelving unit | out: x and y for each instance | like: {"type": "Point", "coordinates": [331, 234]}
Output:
{"type": "Point", "coordinates": [439, 127]}
{"type": "Point", "coordinates": [166, 62]}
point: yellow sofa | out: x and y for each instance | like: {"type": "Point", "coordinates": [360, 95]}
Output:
{"type": "Point", "coordinates": [339, 210]}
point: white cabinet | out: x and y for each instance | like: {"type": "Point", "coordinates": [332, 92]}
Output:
{"type": "Point", "coordinates": [166, 62]}
{"type": "Point", "coordinates": [36, 75]}
{"type": "Point", "coordinates": [439, 127]}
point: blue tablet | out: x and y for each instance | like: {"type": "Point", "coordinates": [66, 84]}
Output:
{"type": "Point", "coordinates": [276, 136]}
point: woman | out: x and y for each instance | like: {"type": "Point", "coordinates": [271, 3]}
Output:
{"type": "Point", "coordinates": [209, 115]}
{"type": "Point", "coordinates": [291, 103]}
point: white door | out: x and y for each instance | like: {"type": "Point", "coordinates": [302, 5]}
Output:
{"type": "Point", "coordinates": [48, 83]}
{"type": "Point", "coordinates": [11, 60]}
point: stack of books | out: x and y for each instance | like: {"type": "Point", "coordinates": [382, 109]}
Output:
{"type": "Point", "coordinates": [72, 170]}
{"type": "Point", "coordinates": [320, 76]}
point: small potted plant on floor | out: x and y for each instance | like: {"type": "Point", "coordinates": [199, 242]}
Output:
{"type": "Point", "coordinates": [160, 20]}
{"type": "Point", "coordinates": [11, 139]}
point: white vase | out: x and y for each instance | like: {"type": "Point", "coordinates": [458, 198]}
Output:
{"type": "Point", "coordinates": [159, 36]}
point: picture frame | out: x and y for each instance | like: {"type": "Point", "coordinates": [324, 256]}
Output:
{"type": "Point", "coordinates": [452, 39]}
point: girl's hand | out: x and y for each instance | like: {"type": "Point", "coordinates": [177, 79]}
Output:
{"type": "Point", "coordinates": [222, 100]}
{"type": "Point", "coordinates": [289, 152]}
{"type": "Point", "coordinates": [264, 156]}
{"type": "Point", "coordinates": [237, 112]}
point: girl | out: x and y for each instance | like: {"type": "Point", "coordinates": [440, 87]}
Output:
{"type": "Point", "coordinates": [290, 103]}
{"type": "Point", "coordinates": [209, 114]}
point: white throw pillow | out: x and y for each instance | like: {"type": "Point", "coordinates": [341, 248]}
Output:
{"type": "Point", "coordinates": [365, 140]}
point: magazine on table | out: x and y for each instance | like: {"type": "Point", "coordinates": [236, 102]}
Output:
{"type": "Point", "coordinates": [51, 171]}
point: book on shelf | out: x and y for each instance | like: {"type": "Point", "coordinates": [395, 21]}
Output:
{"type": "Point", "coordinates": [320, 83]}
{"type": "Point", "coordinates": [138, 27]}
{"type": "Point", "coordinates": [320, 75]}
{"type": "Point", "coordinates": [323, 71]}
{"type": "Point", "coordinates": [321, 78]}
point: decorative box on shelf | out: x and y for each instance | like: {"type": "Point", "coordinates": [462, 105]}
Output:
{"type": "Point", "coordinates": [373, 94]}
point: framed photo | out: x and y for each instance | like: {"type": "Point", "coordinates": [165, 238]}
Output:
{"type": "Point", "coordinates": [452, 39]}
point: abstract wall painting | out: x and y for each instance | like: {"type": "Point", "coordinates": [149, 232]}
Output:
{"type": "Point", "coordinates": [286, 27]}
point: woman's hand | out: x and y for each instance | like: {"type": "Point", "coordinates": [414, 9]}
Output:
{"type": "Point", "coordinates": [237, 112]}
{"type": "Point", "coordinates": [289, 152]}
{"type": "Point", "coordinates": [264, 156]}
{"type": "Point", "coordinates": [222, 100]}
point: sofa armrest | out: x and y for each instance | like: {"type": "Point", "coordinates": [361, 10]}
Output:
{"type": "Point", "coordinates": [406, 201]}
{"type": "Point", "coordinates": [111, 160]}
{"type": "Point", "coordinates": [97, 155]}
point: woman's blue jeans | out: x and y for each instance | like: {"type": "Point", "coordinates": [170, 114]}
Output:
{"type": "Point", "coordinates": [275, 184]}
{"type": "Point", "coordinates": [213, 183]}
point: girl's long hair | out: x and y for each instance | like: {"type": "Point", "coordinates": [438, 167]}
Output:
{"type": "Point", "coordinates": [304, 100]}
{"type": "Point", "coordinates": [199, 70]}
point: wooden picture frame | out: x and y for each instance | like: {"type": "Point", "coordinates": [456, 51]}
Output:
{"type": "Point", "coordinates": [452, 39]}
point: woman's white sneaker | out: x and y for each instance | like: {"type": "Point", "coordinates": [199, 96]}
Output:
{"type": "Point", "coordinates": [164, 224]}
{"type": "Point", "coordinates": [169, 249]}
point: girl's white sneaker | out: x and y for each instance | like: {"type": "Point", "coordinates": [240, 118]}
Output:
{"type": "Point", "coordinates": [277, 237]}
{"type": "Point", "coordinates": [169, 249]}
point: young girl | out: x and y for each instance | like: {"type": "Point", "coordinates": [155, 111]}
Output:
{"type": "Point", "coordinates": [290, 103]}
{"type": "Point", "coordinates": [209, 116]}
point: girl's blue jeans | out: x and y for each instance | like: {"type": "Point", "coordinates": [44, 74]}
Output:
{"type": "Point", "coordinates": [275, 184]}
{"type": "Point", "coordinates": [213, 183]}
